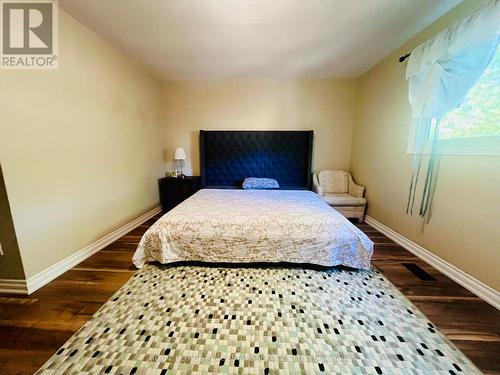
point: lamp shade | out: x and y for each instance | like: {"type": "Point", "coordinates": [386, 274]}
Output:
{"type": "Point", "coordinates": [180, 154]}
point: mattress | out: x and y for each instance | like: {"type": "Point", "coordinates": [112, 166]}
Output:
{"type": "Point", "coordinates": [246, 226]}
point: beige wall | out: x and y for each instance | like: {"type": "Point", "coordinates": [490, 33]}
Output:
{"type": "Point", "coordinates": [325, 106]}
{"type": "Point", "coordinates": [464, 229]}
{"type": "Point", "coordinates": [80, 147]}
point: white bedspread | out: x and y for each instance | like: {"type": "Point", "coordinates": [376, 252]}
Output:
{"type": "Point", "coordinates": [242, 226]}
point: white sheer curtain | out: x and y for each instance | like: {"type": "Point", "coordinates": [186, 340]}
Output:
{"type": "Point", "coordinates": [440, 72]}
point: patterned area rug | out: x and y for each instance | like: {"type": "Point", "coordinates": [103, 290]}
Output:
{"type": "Point", "coordinates": [203, 320]}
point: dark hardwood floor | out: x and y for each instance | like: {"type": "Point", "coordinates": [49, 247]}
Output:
{"type": "Point", "coordinates": [33, 327]}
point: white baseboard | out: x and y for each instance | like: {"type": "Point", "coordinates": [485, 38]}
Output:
{"type": "Point", "coordinates": [13, 286]}
{"type": "Point", "coordinates": [40, 279]}
{"type": "Point", "coordinates": [477, 287]}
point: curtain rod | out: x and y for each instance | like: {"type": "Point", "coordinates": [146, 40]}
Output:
{"type": "Point", "coordinates": [488, 3]}
{"type": "Point", "coordinates": [404, 57]}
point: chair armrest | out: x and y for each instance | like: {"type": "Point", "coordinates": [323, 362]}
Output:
{"type": "Point", "coordinates": [354, 189]}
{"type": "Point", "coordinates": [317, 188]}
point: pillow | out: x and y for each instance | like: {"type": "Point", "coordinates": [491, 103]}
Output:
{"type": "Point", "coordinates": [260, 183]}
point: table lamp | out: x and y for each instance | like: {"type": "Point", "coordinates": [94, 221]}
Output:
{"type": "Point", "coordinates": [180, 155]}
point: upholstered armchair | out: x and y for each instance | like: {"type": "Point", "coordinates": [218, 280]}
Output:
{"type": "Point", "coordinates": [340, 191]}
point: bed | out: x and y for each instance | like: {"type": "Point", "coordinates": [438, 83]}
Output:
{"type": "Point", "coordinates": [248, 226]}
{"type": "Point", "coordinates": [223, 223]}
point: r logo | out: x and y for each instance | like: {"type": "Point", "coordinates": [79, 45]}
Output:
{"type": "Point", "coordinates": [27, 28]}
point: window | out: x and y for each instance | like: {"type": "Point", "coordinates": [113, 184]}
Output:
{"type": "Point", "coordinates": [479, 114]}
{"type": "Point", "coordinates": [454, 90]}
{"type": "Point", "coordinates": [474, 126]}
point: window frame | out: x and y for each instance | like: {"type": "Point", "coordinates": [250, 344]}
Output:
{"type": "Point", "coordinates": [483, 145]}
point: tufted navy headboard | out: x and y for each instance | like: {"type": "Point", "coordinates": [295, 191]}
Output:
{"type": "Point", "coordinates": [228, 157]}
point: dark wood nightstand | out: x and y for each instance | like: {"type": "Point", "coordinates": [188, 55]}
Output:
{"type": "Point", "coordinates": [174, 190]}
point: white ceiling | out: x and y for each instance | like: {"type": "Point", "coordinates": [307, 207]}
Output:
{"type": "Point", "coordinates": [221, 39]}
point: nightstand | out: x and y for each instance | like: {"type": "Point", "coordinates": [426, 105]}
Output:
{"type": "Point", "coordinates": [174, 190]}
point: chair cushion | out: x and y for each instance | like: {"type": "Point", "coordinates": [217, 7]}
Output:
{"type": "Point", "coordinates": [343, 200]}
{"type": "Point", "coordinates": [336, 182]}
